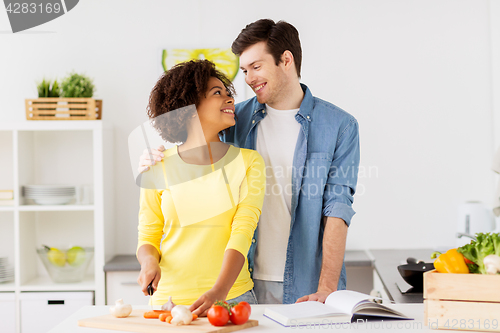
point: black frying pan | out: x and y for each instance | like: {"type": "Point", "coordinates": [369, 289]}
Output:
{"type": "Point", "coordinates": [413, 272]}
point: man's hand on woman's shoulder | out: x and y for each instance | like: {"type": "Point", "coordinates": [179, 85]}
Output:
{"type": "Point", "coordinates": [150, 157]}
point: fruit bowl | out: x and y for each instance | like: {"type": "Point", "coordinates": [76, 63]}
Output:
{"type": "Point", "coordinates": [66, 266]}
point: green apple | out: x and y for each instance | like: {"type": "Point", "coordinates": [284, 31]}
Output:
{"type": "Point", "coordinates": [76, 256]}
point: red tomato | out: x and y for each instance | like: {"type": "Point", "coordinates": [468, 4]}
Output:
{"type": "Point", "coordinates": [247, 305]}
{"type": "Point", "coordinates": [218, 315]}
{"type": "Point", "coordinates": [239, 314]}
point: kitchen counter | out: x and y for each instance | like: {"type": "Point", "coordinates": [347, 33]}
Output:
{"type": "Point", "coordinates": [386, 263]}
{"type": "Point", "coordinates": [415, 311]}
{"type": "Point", "coordinates": [125, 262]}
{"type": "Point", "coordinates": [122, 272]}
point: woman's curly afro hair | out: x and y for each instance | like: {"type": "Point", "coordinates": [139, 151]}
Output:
{"type": "Point", "coordinates": [180, 88]}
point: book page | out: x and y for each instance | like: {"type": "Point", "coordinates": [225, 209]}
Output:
{"type": "Point", "coordinates": [304, 310]}
{"type": "Point", "coordinates": [373, 309]}
{"type": "Point", "coordinates": [349, 301]}
{"type": "Point", "coordinates": [344, 301]}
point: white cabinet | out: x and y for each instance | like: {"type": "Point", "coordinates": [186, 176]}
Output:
{"type": "Point", "coordinates": [7, 245]}
{"type": "Point", "coordinates": [124, 285]}
{"type": "Point", "coordinates": [55, 153]}
{"type": "Point", "coordinates": [41, 312]}
{"type": "Point", "coordinates": [360, 278]}
{"type": "Point", "coordinates": [8, 312]}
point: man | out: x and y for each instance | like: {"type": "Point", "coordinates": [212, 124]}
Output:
{"type": "Point", "coordinates": [311, 151]}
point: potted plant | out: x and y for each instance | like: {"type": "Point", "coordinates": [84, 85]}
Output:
{"type": "Point", "coordinates": [47, 89]}
{"type": "Point", "coordinates": [72, 100]}
{"type": "Point", "coordinates": [77, 86]}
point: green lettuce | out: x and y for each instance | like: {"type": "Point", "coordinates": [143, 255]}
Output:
{"type": "Point", "coordinates": [484, 245]}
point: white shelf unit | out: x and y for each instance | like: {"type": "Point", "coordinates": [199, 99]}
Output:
{"type": "Point", "coordinates": [55, 152]}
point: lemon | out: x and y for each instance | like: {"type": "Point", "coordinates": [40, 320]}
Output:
{"type": "Point", "coordinates": [224, 59]}
{"type": "Point", "coordinates": [56, 256]}
{"type": "Point", "coordinates": [75, 256]}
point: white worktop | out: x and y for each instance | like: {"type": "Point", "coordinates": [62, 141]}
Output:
{"type": "Point", "coordinates": [266, 325]}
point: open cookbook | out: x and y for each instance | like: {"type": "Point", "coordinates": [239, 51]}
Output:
{"type": "Point", "coordinates": [340, 307]}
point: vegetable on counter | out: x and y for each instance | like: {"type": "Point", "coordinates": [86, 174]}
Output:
{"type": "Point", "coordinates": [240, 313]}
{"type": "Point", "coordinates": [181, 315]}
{"type": "Point", "coordinates": [163, 316]}
{"type": "Point", "coordinates": [450, 262]}
{"type": "Point", "coordinates": [492, 264]}
{"type": "Point", "coordinates": [477, 250]}
{"type": "Point", "coordinates": [169, 305]}
{"type": "Point", "coordinates": [218, 315]}
{"type": "Point", "coordinates": [121, 310]}
{"type": "Point", "coordinates": [154, 314]}
{"type": "Point", "coordinates": [221, 312]}
{"type": "Point", "coordinates": [172, 314]}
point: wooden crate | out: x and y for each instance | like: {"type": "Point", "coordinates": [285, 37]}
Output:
{"type": "Point", "coordinates": [63, 109]}
{"type": "Point", "coordinates": [462, 301]}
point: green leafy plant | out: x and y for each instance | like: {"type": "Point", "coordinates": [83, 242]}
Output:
{"type": "Point", "coordinates": [484, 245]}
{"type": "Point", "coordinates": [55, 91]}
{"type": "Point", "coordinates": [77, 85]}
{"type": "Point", "coordinates": [48, 89]}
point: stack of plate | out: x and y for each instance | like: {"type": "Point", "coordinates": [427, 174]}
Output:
{"type": "Point", "coordinates": [6, 272]}
{"type": "Point", "coordinates": [49, 194]}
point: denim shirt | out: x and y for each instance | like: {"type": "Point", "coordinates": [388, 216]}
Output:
{"type": "Point", "coordinates": [325, 171]}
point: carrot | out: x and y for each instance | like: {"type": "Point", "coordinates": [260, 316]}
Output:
{"type": "Point", "coordinates": [195, 316]}
{"type": "Point", "coordinates": [168, 319]}
{"type": "Point", "coordinates": [163, 316]}
{"type": "Point", "coordinates": [155, 314]}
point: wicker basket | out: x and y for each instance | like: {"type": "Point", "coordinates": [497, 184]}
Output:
{"type": "Point", "coordinates": [63, 109]}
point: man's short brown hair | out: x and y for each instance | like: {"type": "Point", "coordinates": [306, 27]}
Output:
{"type": "Point", "coordinates": [280, 36]}
{"type": "Point", "coordinates": [180, 89]}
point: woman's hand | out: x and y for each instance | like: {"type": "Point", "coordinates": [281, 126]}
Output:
{"type": "Point", "coordinates": [145, 161]}
{"type": "Point", "coordinates": [202, 304]}
{"type": "Point", "coordinates": [150, 272]}
{"type": "Point", "coordinates": [231, 266]}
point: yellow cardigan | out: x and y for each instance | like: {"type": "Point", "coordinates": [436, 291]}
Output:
{"type": "Point", "coordinates": [193, 213]}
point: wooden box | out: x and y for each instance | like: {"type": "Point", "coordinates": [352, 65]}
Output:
{"type": "Point", "coordinates": [462, 301]}
{"type": "Point", "coordinates": [63, 109]}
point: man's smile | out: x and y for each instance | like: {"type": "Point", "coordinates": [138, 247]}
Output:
{"type": "Point", "coordinates": [259, 87]}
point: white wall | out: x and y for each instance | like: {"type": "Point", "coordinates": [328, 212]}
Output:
{"type": "Point", "coordinates": [416, 75]}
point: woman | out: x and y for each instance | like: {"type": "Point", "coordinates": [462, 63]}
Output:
{"type": "Point", "coordinates": [197, 221]}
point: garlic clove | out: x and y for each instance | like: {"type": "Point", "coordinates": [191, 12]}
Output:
{"type": "Point", "coordinates": [169, 305]}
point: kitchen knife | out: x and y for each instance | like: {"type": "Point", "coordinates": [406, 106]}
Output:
{"type": "Point", "coordinates": [150, 293]}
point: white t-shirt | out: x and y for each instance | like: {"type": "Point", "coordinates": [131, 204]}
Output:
{"type": "Point", "coordinates": [277, 136]}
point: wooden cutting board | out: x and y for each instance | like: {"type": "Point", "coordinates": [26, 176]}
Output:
{"type": "Point", "coordinates": [137, 323]}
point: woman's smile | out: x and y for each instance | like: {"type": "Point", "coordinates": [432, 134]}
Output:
{"type": "Point", "coordinates": [228, 110]}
